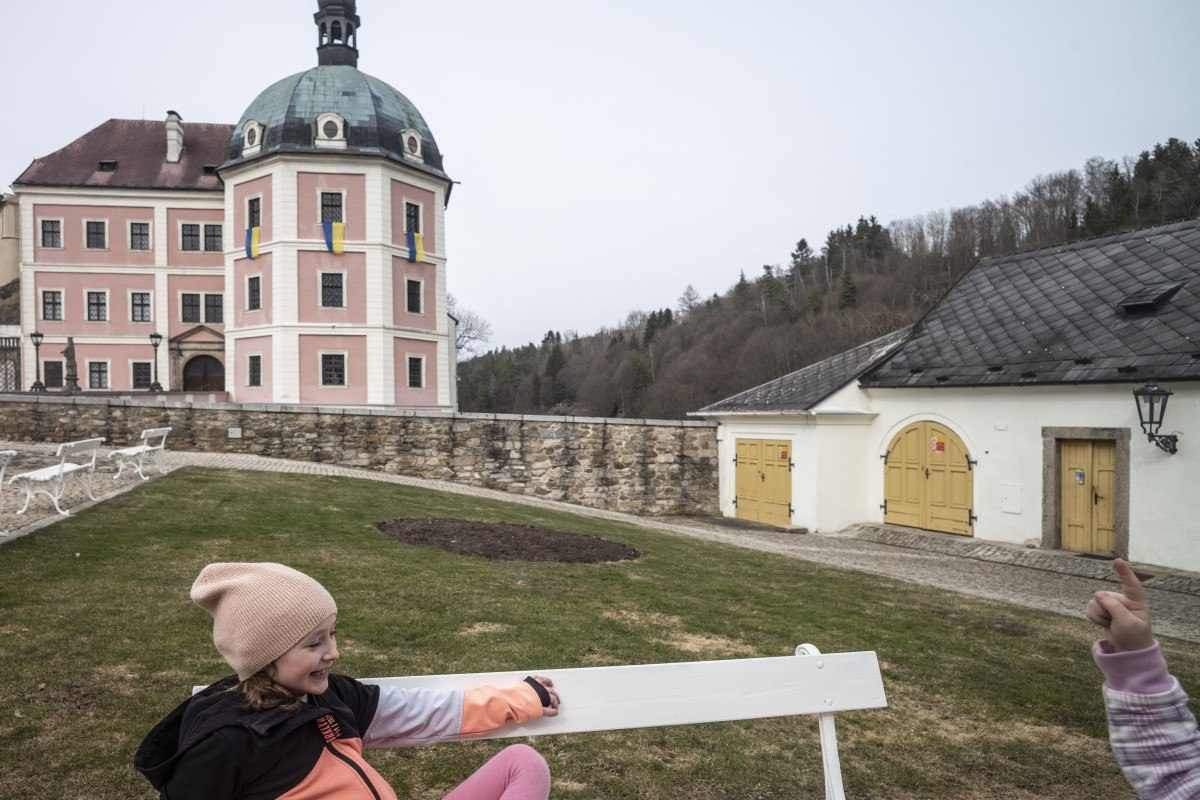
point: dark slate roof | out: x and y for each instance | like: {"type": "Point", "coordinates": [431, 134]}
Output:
{"type": "Point", "coordinates": [1055, 316]}
{"type": "Point", "coordinates": [375, 114]}
{"type": "Point", "coordinates": [140, 149]}
{"type": "Point", "coordinates": [804, 388]}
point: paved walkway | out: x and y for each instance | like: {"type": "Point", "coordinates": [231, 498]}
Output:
{"type": "Point", "coordinates": [1048, 581]}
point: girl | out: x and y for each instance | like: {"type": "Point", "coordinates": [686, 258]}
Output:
{"type": "Point", "coordinates": [1152, 732]}
{"type": "Point", "coordinates": [287, 728]}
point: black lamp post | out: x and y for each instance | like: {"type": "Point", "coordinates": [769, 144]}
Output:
{"type": "Point", "coordinates": [155, 341]}
{"type": "Point", "coordinates": [37, 387]}
{"type": "Point", "coordinates": [1152, 408]}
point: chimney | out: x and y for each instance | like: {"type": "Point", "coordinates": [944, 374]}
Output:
{"type": "Point", "coordinates": [174, 137]}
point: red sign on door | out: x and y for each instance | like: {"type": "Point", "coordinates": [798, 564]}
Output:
{"type": "Point", "coordinates": [936, 445]}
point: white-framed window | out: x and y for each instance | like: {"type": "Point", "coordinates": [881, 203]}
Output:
{"type": "Point", "coordinates": [206, 307]}
{"type": "Point", "coordinates": [189, 237]}
{"type": "Point", "coordinates": [331, 205]}
{"type": "Point", "coordinates": [254, 211]}
{"type": "Point", "coordinates": [254, 369]}
{"type": "Point", "coordinates": [214, 238]}
{"type": "Point", "coordinates": [414, 295]}
{"type": "Point", "coordinates": [190, 307]}
{"type": "Point", "coordinates": [51, 230]}
{"type": "Point", "coordinates": [141, 306]}
{"type": "Point", "coordinates": [330, 131]}
{"type": "Point", "coordinates": [333, 365]}
{"type": "Point", "coordinates": [416, 371]}
{"type": "Point", "coordinates": [412, 216]}
{"type": "Point", "coordinates": [254, 292]}
{"type": "Point", "coordinates": [252, 136]}
{"type": "Point", "coordinates": [331, 287]}
{"type": "Point", "coordinates": [52, 373]}
{"type": "Point", "coordinates": [95, 301]}
{"type": "Point", "coordinates": [411, 144]}
{"type": "Point", "coordinates": [139, 235]}
{"type": "Point", "coordinates": [97, 374]}
{"type": "Point", "coordinates": [95, 234]}
{"type": "Point", "coordinates": [141, 374]}
{"type": "Point", "coordinates": [52, 305]}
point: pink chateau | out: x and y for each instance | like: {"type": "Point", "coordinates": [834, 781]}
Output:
{"type": "Point", "coordinates": [339, 296]}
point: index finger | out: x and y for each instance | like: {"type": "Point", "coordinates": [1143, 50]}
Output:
{"type": "Point", "coordinates": [1131, 587]}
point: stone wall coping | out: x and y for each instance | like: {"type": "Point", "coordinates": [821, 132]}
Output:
{"type": "Point", "coordinates": [375, 411]}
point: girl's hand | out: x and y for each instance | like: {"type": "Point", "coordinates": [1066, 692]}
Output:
{"type": "Point", "coordinates": [1124, 615]}
{"type": "Point", "coordinates": [552, 709]}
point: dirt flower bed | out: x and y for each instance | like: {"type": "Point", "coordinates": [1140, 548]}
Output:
{"type": "Point", "coordinates": [505, 542]}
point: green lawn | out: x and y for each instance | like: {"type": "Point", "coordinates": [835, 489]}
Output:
{"type": "Point", "coordinates": [98, 639]}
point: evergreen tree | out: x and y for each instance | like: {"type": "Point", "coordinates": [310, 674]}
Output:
{"type": "Point", "coordinates": [848, 293]}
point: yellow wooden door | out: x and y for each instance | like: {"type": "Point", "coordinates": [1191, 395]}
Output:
{"type": "Point", "coordinates": [948, 499]}
{"type": "Point", "coordinates": [904, 479]}
{"type": "Point", "coordinates": [928, 481]}
{"type": "Point", "coordinates": [749, 485]}
{"type": "Point", "coordinates": [763, 481]}
{"type": "Point", "coordinates": [775, 503]}
{"type": "Point", "coordinates": [1087, 477]}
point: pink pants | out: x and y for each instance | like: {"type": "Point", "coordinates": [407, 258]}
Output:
{"type": "Point", "coordinates": [517, 772]}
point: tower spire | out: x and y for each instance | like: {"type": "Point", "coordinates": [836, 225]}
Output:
{"type": "Point", "coordinates": [337, 32]}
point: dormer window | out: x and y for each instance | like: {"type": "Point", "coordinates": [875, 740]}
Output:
{"type": "Point", "coordinates": [331, 131]}
{"type": "Point", "coordinates": [410, 140]}
{"type": "Point", "coordinates": [108, 165]}
{"type": "Point", "coordinates": [252, 139]}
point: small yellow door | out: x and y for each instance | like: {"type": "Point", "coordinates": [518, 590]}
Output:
{"type": "Point", "coordinates": [763, 481]}
{"type": "Point", "coordinates": [928, 482]}
{"type": "Point", "coordinates": [1087, 478]}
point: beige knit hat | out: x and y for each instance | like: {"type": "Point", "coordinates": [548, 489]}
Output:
{"type": "Point", "coordinates": [259, 611]}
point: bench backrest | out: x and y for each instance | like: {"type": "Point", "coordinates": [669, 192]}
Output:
{"type": "Point", "coordinates": [650, 695]}
{"type": "Point", "coordinates": [82, 450]}
{"type": "Point", "coordinates": [155, 437]}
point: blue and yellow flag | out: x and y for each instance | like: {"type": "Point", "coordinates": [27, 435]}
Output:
{"type": "Point", "coordinates": [335, 236]}
{"type": "Point", "coordinates": [252, 238]}
{"type": "Point", "coordinates": [416, 246]}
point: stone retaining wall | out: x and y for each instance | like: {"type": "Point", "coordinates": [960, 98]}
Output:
{"type": "Point", "coordinates": [635, 466]}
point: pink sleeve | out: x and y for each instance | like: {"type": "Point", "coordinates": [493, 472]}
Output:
{"type": "Point", "coordinates": [486, 708]}
{"type": "Point", "coordinates": [1136, 671]}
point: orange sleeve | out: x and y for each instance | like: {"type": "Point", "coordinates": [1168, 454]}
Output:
{"type": "Point", "coordinates": [486, 708]}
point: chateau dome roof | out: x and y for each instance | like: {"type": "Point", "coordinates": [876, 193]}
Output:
{"type": "Point", "coordinates": [375, 116]}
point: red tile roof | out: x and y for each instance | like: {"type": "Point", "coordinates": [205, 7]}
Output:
{"type": "Point", "coordinates": [140, 149]}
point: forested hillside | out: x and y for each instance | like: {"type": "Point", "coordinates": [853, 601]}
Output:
{"type": "Point", "coordinates": [865, 279]}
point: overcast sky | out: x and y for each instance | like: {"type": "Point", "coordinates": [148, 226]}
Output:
{"type": "Point", "coordinates": [610, 153]}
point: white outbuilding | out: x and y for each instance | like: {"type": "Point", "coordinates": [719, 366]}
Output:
{"type": "Point", "coordinates": [1048, 396]}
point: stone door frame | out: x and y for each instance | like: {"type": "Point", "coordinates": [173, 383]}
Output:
{"type": "Point", "coordinates": [1052, 484]}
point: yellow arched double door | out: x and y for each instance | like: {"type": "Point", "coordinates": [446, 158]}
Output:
{"type": "Point", "coordinates": [928, 480]}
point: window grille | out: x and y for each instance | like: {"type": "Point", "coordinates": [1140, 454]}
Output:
{"type": "Point", "coordinates": [190, 239]}
{"type": "Point", "coordinates": [97, 375]}
{"type": "Point", "coordinates": [52, 374]}
{"type": "Point", "coordinates": [414, 297]}
{"type": "Point", "coordinates": [190, 310]}
{"type": "Point", "coordinates": [51, 233]}
{"type": "Point", "coordinates": [97, 235]}
{"type": "Point", "coordinates": [52, 306]}
{"type": "Point", "coordinates": [331, 290]}
{"type": "Point", "coordinates": [97, 307]}
{"type": "Point", "coordinates": [416, 372]}
{"type": "Point", "coordinates": [412, 218]}
{"type": "Point", "coordinates": [254, 293]}
{"type": "Point", "coordinates": [139, 236]}
{"type": "Point", "coordinates": [331, 207]}
{"type": "Point", "coordinates": [213, 239]}
{"type": "Point", "coordinates": [214, 308]}
{"type": "Point", "coordinates": [254, 212]}
{"type": "Point", "coordinates": [255, 371]}
{"type": "Point", "coordinates": [139, 304]}
{"type": "Point", "coordinates": [141, 374]}
{"type": "Point", "coordinates": [333, 369]}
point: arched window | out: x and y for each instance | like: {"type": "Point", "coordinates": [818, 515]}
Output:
{"type": "Point", "coordinates": [337, 31]}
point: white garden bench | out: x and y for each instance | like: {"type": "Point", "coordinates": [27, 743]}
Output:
{"type": "Point", "coordinates": [74, 458]}
{"type": "Point", "coordinates": [154, 442]}
{"type": "Point", "coordinates": [6, 457]}
{"type": "Point", "coordinates": [688, 692]}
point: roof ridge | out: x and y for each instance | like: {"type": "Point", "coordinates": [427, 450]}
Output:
{"type": "Point", "coordinates": [1091, 241]}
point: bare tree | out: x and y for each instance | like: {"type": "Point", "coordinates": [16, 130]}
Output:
{"type": "Point", "coordinates": [473, 330]}
{"type": "Point", "coordinates": [689, 299]}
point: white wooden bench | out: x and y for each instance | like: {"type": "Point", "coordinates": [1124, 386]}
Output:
{"type": "Point", "coordinates": [688, 692]}
{"type": "Point", "coordinates": [154, 441]}
{"type": "Point", "coordinates": [74, 458]}
{"type": "Point", "coordinates": [6, 457]}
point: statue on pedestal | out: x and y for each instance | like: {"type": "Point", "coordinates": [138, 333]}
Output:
{"type": "Point", "coordinates": [71, 382]}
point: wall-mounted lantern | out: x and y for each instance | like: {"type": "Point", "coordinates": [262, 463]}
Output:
{"type": "Point", "coordinates": [1152, 409]}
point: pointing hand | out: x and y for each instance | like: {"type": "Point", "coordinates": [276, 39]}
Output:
{"type": "Point", "coordinates": [1124, 615]}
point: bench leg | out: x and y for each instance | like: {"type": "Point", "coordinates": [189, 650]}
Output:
{"type": "Point", "coordinates": [120, 467]}
{"type": "Point", "coordinates": [28, 497]}
{"type": "Point", "coordinates": [87, 483]}
{"type": "Point", "coordinates": [829, 758]}
{"type": "Point", "coordinates": [138, 467]}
